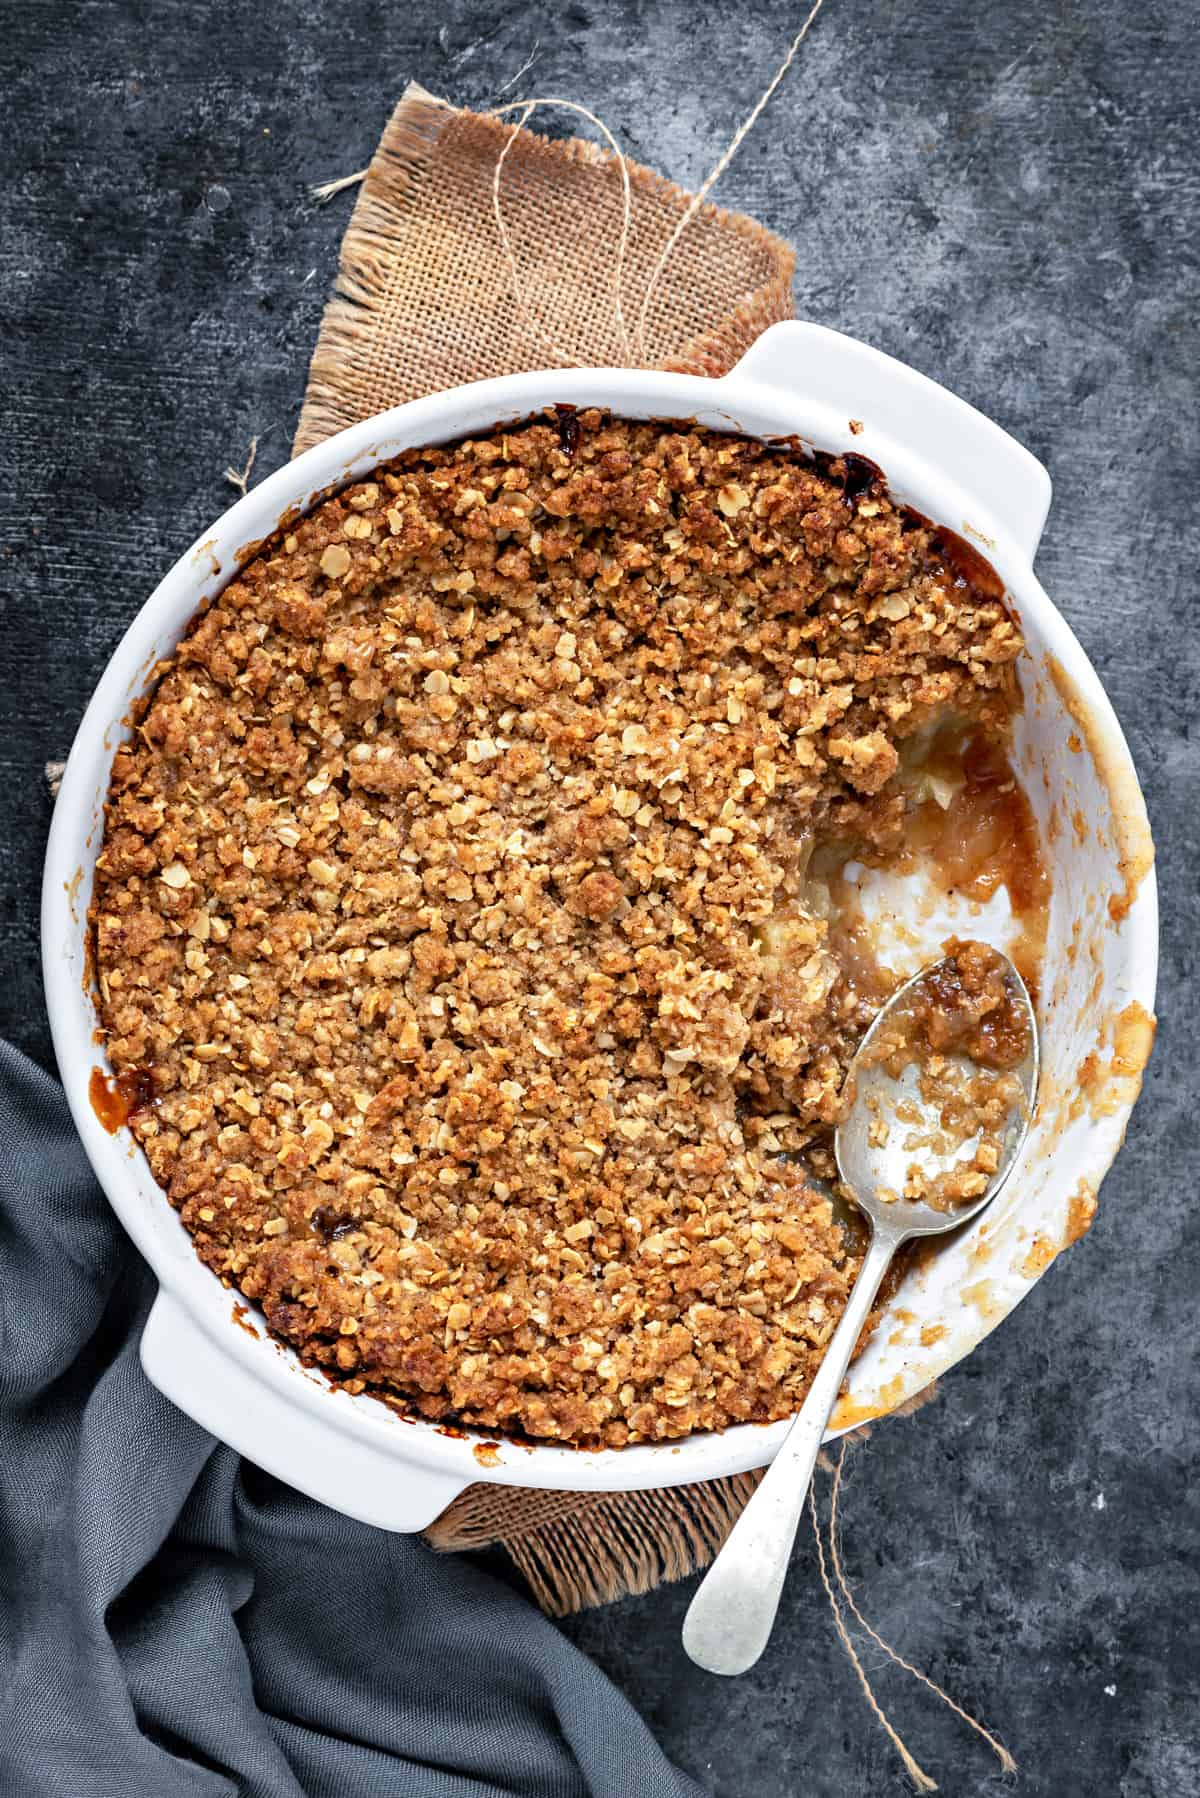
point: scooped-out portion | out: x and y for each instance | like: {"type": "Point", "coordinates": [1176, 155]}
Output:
{"type": "Point", "coordinates": [473, 910]}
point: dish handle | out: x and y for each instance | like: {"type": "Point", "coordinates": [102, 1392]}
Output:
{"type": "Point", "coordinates": [307, 1452]}
{"type": "Point", "coordinates": [890, 401]}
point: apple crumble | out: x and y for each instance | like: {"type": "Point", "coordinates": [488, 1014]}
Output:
{"type": "Point", "coordinates": [454, 925]}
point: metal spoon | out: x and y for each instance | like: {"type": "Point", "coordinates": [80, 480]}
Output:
{"type": "Point", "coordinates": [730, 1619]}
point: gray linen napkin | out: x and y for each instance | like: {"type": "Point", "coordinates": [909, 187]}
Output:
{"type": "Point", "coordinates": [174, 1621]}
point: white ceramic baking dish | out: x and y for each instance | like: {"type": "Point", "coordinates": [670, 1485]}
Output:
{"type": "Point", "coordinates": [960, 470]}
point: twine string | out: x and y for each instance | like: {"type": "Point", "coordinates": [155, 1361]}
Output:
{"type": "Point", "coordinates": [706, 186]}
{"type": "Point", "coordinates": [240, 477]}
{"type": "Point", "coordinates": [1007, 1763]}
{"type": "Point", "coordinates": [526, 108]}
{"type": "Point", "coordinates": [919, 1777]}
{"type": "Point", "coordinates": [634, 351]}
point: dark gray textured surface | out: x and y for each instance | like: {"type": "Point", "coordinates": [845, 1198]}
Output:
{"type": "Point", "coordinates": [1004, 196]}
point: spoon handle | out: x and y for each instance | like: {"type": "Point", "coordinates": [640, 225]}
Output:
{"type": "Point", "coordinates": [729, 1620]}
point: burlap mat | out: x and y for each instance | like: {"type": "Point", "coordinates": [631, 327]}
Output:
{"type": "Point", "coordinates": [424, 300]}
{"type": "Point", "coordinates": [424, 297]}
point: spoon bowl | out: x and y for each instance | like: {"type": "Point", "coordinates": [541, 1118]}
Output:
{"type": "Point", "coordinates": [893, 1136]}
{"type": "Point", "coordinates": [870, 1168]}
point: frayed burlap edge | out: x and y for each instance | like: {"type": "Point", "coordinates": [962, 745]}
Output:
{"type": "Point", "coordinates": [339, 376]}
{"type": "Point", "coordinates": [576, 1550]}
{"type": "Point", "coordinates": [348, 380]}
{"type": "Point", "coordinates": [579, 1549]}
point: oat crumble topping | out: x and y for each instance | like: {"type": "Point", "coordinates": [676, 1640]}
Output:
{"type": "Point", "coordinates": [453, 894]}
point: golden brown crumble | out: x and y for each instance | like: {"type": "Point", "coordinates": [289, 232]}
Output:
{"type": "Point", "coordinates": [453, 890]}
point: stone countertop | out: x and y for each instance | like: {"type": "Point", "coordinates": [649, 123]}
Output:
{"type": "Point", "coordinates": [1004, 196]}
